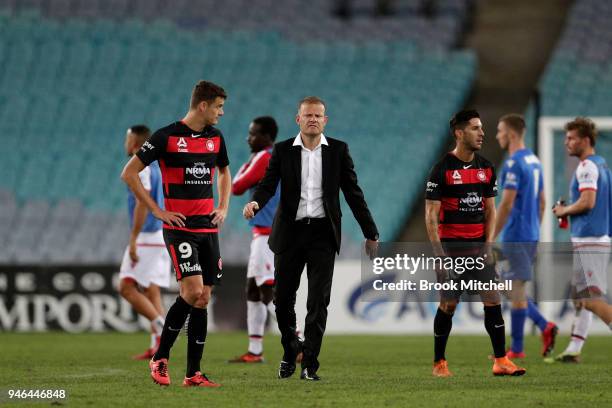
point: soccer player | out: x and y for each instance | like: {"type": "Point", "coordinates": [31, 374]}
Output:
{"type": "Point", "coordinates": [518, 220]}
{"type": "Point", "coordinates": [189, 152]}
{"type": "Point", "coordinates": [460, 207]}
{"type": "Point", "coordinates": [260, 270]}
{"type": "Point", "coordinates": [145, 262]}
{"type": "Point", "coordinates": [591, 218]}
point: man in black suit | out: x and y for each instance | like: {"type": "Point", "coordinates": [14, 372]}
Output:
{"type": "Point", "coordinates": [312, 169]}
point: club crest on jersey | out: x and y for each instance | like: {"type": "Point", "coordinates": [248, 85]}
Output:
{"type": "Point", "coordinates": [457, 177]}
{"type": "Point", "coordinates": [210, 145]}
{"type": "Point", "coordinates": [220, 264]}
{"type": "Point", "coordinates": [481, 175]}
{"type": "Point", "coordinates": [182, 145]}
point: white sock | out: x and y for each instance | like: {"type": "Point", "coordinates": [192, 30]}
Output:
{"type": "Point", "coordinates": [580, 330]}
{"type": "Point", "coordinates": [153, 340]}
{"type": "Point", "coordinates": [256, 321]}
{"type": "Point", "coordinates": [157, 325]}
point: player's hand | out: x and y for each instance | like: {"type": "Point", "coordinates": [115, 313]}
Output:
{"type": "Point", "coordinates": [170, 217]}
{"type": "Point", "coordinates": [133, 255]}
{"type": "Point", "coordinates": [559, 210]}
{"type": "Point", "coordinates": [371, 248]}
{"type": "Point", "coordinates": [218, 216]}
{"type": "Point", "coordinates": [249, 210]}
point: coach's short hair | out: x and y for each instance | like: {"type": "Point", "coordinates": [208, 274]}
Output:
{"type": "Point", "coordinates": [515, 122]}
{"type": "Point", "coordinates": [460, 119]}
{"type": "Point", "coordinates": [311, 100]}
{"type": "Point", "coordinates": [268, 126]}
{"type": "Point", "coordinates": [205, 91]}
{"type": "Point", "coordinates": [585, 127]}
{"type": "Point", "coordinates": [141, 131]}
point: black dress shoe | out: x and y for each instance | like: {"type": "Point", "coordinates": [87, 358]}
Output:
{"type": "Point", "coordinates": [308, 374]}
{"type": "Point", "coordinates": [286, 370]}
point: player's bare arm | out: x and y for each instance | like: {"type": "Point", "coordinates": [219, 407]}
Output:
{"type": "Point", "coordinates": [130, 176]}
{"type": "Point", "coordinates": [140, 216]}
{"type": "Point", "coordinates": [503, 211]}
{"type": "Point", "coordinates": [224, 185]}
{"type": "Point", "coordinates": [585, 203]}
{"type": "Point", "coordinates": [432, 220]}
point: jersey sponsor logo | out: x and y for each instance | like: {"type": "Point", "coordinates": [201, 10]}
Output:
{"type": "Point", "coordinates": [210, 145]}
{"type": "Point", "coordinates": [473, 201]}
{"type": "Point", "coordinates": [187, 267]}
{"type": "Point", "coordinates": [196, 174]}
{"type": "Point", "coordinates": [198, 170]}
{"type": "Point", "coordinates": [147, 146]}
{"type": "Point", "coordinates": [457, 177]}
{"type": "Point", "coordinates": [431, 186]}
{"type": "Point", "coordinates": [181, 145]}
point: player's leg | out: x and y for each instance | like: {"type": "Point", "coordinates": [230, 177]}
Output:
{"type": "Point", "coordinates": [189, 275]}
{"type": "Point", "coordinates": [128, 289]}
{"type": "Point", "coordinates": [495, 326]}
{"type": "Point", "coordinates": [153, 293]}
{"type": "Point", "coordinates": [579, 333]}
{"type": "Point", "coordinates": [518, 314]}
{"type": "Point", "coordinates": [601, 309]}
{"type": "Point", "coordinates": [133, 277]}
{"type": "Point", "coordinates": [443, 323]}
{"type": "Point", "coordinates": [260, 273]}
{"type": "Point", "coordinates": [197, 327]}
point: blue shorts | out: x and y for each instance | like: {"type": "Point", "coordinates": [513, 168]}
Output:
{"type": "Point", "coordinates": [521, 257]}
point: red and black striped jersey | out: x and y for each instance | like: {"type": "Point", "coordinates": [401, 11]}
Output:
{"type": "Point", "coordinates": [187, 160]}
{"type": "Point", "coordinates": [461, 188]}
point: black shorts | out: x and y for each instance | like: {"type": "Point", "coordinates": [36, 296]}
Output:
{"type": "Point", "coordinates": [469, 249]}
{"type": "Point", "coordinates": [195, 254]}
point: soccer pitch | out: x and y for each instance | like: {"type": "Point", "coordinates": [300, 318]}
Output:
{"type": "Point", "coordinates": [369, 371]}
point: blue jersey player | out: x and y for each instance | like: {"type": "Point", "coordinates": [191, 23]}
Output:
{"type": "Point", "coordinates": [518, 221]}
{"type": "Point", "coordinates": [146, 265]}
{"type": "Point", "coordinates": [590, 214]}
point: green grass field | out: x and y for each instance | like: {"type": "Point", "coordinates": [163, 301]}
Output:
{"type": "Point", "coordinates": [364, 371]}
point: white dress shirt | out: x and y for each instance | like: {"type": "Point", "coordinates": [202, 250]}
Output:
{"type": "Point", "coordinates": [311, 193]}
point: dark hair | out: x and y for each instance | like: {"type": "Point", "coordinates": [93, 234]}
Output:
{"type": "Point", "coordinates": [205, 91]}
{"type": "Point", "coordinates": [515, 122]}
{"type": "Point", "coordinates": [585, 128]}
{"type": "Point", "coordinates": [311, 100]}
{"type": "Point", "coordinates": [268, 126]}
{"type": "Point", "coordinates": [142, 131]}
{"type": "Point", "coordinates": [461, 119]}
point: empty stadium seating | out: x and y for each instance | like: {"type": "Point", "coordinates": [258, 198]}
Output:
{"type": "Point", "coordinates": [70, 88]}
{"type": "Point", "coordinates": [578, 80]}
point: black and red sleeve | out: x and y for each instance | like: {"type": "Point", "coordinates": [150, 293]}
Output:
{"type": "Point", "coordinates": [153, 148]}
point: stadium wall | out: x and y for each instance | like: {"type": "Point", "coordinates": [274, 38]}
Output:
{"type": "Point", "coordinates": [83, 299]}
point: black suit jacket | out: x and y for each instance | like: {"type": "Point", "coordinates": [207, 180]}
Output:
{"type": "Point", "coordinates": [337, 174]}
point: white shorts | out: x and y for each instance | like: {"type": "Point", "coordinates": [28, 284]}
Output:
{"type": "Point", "coordinates": [261, 261]}
{"type": "Point", "coordinates": [153, 266]}
{"type": "Point", "coordinates": [591, 260]}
